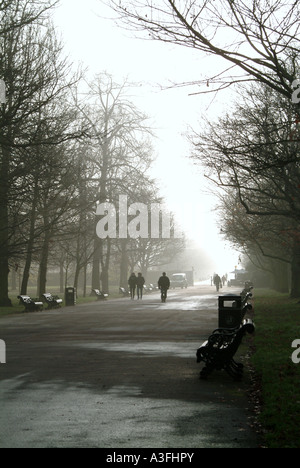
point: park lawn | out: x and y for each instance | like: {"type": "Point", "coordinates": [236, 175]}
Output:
{"type": "Point", "coordinates": [15, 309]}
{"type": "Point", "coordinates": [19, 309]}
{"type": "Point", "coordinates": [277, 320]}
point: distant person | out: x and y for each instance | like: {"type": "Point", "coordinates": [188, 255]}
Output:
{"type": "Point", "coordinates": [164, 286]}
{"type": "Point", "coordinates": [132, 282]}
{"type": "Point", "coordinates": [140, 281]}
{"type": "Point", "coordinates": [218, 282]}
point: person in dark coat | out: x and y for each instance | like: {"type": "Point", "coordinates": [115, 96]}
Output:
{"type": "Point", "coordinates": [218, 282]}
{"type": "Point", "coordinates": [164, 286]}
{"type": "Point", "coordinates": [132, 282]}
{"type": "Point", "coordinates": [140, 281]}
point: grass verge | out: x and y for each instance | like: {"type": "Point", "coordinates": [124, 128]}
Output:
{"type": "Point", "coordinates": [277, 320]}
{"type": "Point", "coordinates": [19, 309]}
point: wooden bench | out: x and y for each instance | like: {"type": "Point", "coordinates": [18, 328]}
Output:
{"type": "Point", "coordinates": [53, 302]}
{"type": "Point", "coordinates": [218, 352]}
{"type": "Point", "coordinates": [100, 295]}
{"type": "Point", "coordinates": [31, 305]}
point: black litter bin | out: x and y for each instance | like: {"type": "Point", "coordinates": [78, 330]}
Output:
{"type": "Point", "coordinates": [230, 311]}
{"type": "Point", "coordinates": [70, 296]}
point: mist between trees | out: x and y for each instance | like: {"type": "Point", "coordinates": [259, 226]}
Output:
{"type": "Point", "coordinates": [251, 155]}
{"type": "Point", "coordinates": [62, 153]}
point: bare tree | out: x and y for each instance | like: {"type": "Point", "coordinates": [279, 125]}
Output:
{"type": "Point", "coordinates": [34, 72]}
{"type": "Point", "coordinates": [266, 241]}
{"type": "Point", "coordinates": [119, 151]}
{"type": "Point", "coordinates": [254, 150]}
{"type": "Point", "coordinates": [258, 39]}
{"type": "Point", "coordinates": [15, 14]}
{"type": "Point", "coordinates": [253, 155]}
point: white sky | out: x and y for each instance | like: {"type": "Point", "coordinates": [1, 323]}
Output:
{"type": "Point", "coordinates": [92, 39]}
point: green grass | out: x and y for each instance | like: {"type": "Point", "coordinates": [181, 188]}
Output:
{"type": "Point", "coordinates": [15, 309]}
{"type": "Point", "coordinates": [19, 309]}
{"type": "Point", "coordinates": [277, 320]}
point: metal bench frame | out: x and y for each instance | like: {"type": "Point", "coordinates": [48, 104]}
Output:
{"type": "Point", "coordinates": [218, 352]}
{"type": "Point", "coordinates": [124, 291]}
{"type": "Point", "coordinates": [52, 301]}
{"type": "Point", "coordinates": [31, 305]}
{"type": "Point", "coordinates": [100, 295]}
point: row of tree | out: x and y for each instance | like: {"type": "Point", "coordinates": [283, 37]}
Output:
{"type": "Point", "coordinates": [66, 145]}
{"type": "Point", "coordinates": [253, 153]}
{"type": "Point", "coordinates": [253, 156]}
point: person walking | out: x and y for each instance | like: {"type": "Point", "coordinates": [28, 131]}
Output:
{"type": "Point", "coordinates": [164, 286]}
{"type": "Point", "coordinates": [140, 281]}
{"type": "Point", "coordinates": [132, 285]}
{"type": "Point", "coordinates": [218, 282]}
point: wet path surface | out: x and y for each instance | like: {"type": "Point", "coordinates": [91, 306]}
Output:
{"type": "Point", "coordinates": [118, 374]}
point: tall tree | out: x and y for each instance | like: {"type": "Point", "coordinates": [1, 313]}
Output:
{"type": "Point", "coordinates": [34, 73]}
{"type": "Point", "coordinates": [264, 240]}
{"type": "Point", "coordinates": [253, 153]}
{"type": "Point", "coordinates": [119, 151]}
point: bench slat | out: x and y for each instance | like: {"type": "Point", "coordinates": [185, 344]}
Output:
{"type": "Point", "coordinates": [30, 304]}
{"type": "Point", "coordinates": [52, 301]}
{"type": "Point", "coordinates": [220, 348]}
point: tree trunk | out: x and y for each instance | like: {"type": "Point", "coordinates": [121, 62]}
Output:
{"type": "Point", "coordinates": [61, 276]}
{"type": "Point", "coordinates": [105, 260]}
{"type": "Point", "coordinates": [4, 271]}
{"type": "Point", "coordinates": [30, 245]}
{"type": "Point", "coordinates": [4, 228]}
{"type": "Point", "coordinates": [98, 243]}
{"type": "Point", "coordinates": [42, 281]}
{"type": "Point", "coordinates": [76, 277]}
{"type": "Point", "coordinates": [96, 264]}
{"type": "Point", "coordinates": [124, 264]}
{"type": "Point", "coordinates": [295, 289]}
{"type": "Point", "coordinates": [14, 279]}
{"type": "Point", "coordinates": [84, 280]}
{"type": "Point", "coordinates": [105, 280]}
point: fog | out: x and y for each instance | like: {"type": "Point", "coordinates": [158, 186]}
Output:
{"type": "Point", "coordinates": [94, 40]}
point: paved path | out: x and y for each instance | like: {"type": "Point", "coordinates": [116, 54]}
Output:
{"type": "Point", "coordinates": [118, 374]}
